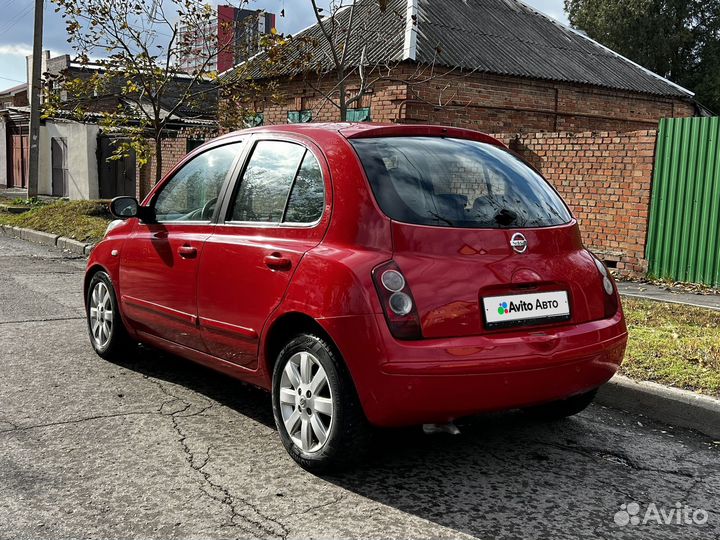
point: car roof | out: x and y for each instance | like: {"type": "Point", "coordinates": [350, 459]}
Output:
{"type": "Point", "coordinates": [364, 130]}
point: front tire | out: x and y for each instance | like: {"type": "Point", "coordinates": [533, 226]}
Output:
{"type": "Point", "coordinates": [317, 411]}
{"type": "Point", "coordinates": [108, 335]}
{"type": "Point", "coordinates": [557, 410]}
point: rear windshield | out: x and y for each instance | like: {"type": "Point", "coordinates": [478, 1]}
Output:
{"type": "Point", "coordinates": [457, 183]}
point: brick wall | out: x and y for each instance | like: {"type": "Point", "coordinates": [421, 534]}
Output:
{"type": "Point", "coordinates": [490, 103]}
{"type": "Point", "coordinates": [173, 150]}
{"type": "Point", "coordinates": [605, 177]}
{"type": "Point", "coordinates": [384, 101]}
{"type": "Point", "coordinates": [495, 103]}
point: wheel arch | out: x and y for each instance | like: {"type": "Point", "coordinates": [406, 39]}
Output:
{"type": "Point", "coordinates": [93, 269]}
{"type": "Point", "coordinates": [282, 329]}
{"type": "Point", "coordinates": [89, 273]}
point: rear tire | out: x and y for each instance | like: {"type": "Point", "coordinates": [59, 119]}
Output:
{"type": "Point", "coordinates": [108, 334]}
{"type": "Point", "coordinates": [557, 410]}
{"type": "Point", "coordinates": [316, 408]}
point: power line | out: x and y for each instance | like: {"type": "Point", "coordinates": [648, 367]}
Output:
{"type": "Point", "coordinates": [6, 5]}
{"type": "Point", "coordinates": [9, 79]}
{"type": "Point", "coordinates": [9, 24]}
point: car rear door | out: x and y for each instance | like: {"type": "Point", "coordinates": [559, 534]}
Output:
{"type": "Point", "coordinates": [159, 261]}
{"type": "Point", "coordinates": [276, 212]}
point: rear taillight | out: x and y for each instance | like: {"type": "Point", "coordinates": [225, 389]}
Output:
{"type": "Point", "coordinates": [397, 301]}
{"type": "Point", "coordinates": [608, 285]}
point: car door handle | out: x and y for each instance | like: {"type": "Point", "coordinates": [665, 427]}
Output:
{"type": "Point", "coordinates": [277, 262]}
{"type": "Point", "coordinates": [187, 252]}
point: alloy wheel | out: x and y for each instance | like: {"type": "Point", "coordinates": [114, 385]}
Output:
{"type": "Point", "coordinates": [101, 315]}
{"type": "Point", "coordinates": [306, 402]}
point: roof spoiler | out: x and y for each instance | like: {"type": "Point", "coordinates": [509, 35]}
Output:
{"type": "Point", "coordinates": [365, 131]}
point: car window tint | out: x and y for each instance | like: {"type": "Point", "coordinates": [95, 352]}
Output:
{"type": "Point", "coordinates": [457, 183]}
{"type": "Point", "coordinates": [266, 182]}
{"type": "Point", "coordinates": [307, 197]}
{"type": "Point", "coordinates": [192, 192]}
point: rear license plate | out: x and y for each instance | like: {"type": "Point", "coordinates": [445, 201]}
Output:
{"type": "Point", "coordinates": [526, 309]}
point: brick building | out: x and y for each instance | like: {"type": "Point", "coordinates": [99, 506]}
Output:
{"type": "Point", "coordinates": [493, 65]}
{"type": "Point", "coordinates": [582, 114]}
{"type": "Point", "coordinates": [76, 156]}
{"type": "Point", "coordinates": [17, 96]}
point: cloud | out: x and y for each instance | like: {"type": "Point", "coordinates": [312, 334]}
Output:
{"type": "Point", "coordinates": [16, 50]}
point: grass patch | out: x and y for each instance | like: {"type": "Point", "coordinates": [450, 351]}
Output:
{"type": "Point", "coordinates": [20, 201]}
{"type": "Point", "coordinates": [85, 221]}
{"type": "Point", "coordinates": [673, 344]}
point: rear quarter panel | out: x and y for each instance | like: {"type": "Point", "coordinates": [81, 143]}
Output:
{"type": "Point", "coordinates": [333, 282]}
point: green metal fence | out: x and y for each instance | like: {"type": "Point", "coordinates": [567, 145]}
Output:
{"type": "Point", "coordinates": [683, 234]}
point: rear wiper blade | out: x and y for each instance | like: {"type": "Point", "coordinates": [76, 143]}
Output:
{"type": "Point", "coordinates": [505, 217]}
{"type": "Point", "coordinates": [438, 216]}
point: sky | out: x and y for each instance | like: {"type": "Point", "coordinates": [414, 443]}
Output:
{"type": "Point", "coordinates": [16, 25]}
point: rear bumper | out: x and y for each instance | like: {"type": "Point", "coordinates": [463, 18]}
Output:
{"type": "Point", "coordinates": [437, 380]}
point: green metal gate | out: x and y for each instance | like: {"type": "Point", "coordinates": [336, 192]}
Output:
{"type": "Point", "coordinates": [683, 234]}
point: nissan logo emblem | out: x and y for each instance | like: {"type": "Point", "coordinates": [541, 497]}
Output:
{"type": "Point", "coordinates": [519, 243]}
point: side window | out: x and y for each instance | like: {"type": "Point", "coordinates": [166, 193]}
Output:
{"type": "Point", "coordinates": [192, 193]}
{"type": "Point", "coordinates": [266, 182]}
{"type": "Point", "coordinates": [307, 197]}
{"type": "Point", "coordinates": [282, 182]}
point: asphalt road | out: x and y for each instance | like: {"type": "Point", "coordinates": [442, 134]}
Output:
{"type": "Point", "coordinates": [158, 447]}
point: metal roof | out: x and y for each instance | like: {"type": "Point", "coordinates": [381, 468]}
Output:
{"type": "Point", "coordinates": [508, 37]}
{"type": "Point", "coordinates": [14, 90]}
{"type": "Point", "coordinates": [504, 37]}
{"type": "Point", "coordinates": [377, 38]}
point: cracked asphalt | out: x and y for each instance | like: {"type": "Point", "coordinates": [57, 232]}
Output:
{"type": "Point", "coordinates": [157, 447]}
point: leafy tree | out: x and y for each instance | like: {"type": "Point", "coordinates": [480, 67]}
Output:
{"type": "Point", "coordinates": [678, 39]}
{"type": "Point", "coordinates": [134, 48]}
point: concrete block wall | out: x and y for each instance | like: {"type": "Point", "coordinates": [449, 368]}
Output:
{"type": "Point", "coordinates": [82, 161]}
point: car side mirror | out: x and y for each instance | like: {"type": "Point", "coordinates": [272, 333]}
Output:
{"type": "Point", "coordinates": [129, 207]}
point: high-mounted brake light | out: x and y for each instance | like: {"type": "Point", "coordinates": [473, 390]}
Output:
{"type": "Point", "coordinates": [611, 300]}
{"type": "Point", "coordinates": [397, 301]}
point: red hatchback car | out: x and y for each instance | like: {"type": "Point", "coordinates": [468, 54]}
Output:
{"type": "Point", "coordinates": [367, 275]}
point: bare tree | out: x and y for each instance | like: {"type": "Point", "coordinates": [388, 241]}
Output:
{"type": "Point", "coordinates": [337, 36]}
{"type": "Point", "coordinates": [346, 36]}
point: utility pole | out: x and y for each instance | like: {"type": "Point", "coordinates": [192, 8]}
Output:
{"type": "Point", "coordinates": [32, 187]}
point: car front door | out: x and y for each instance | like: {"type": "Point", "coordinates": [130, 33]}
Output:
{"type": "Point", "coordinates": [278, 210]}
{"type": "Point", "coordinates": [159, 261]}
